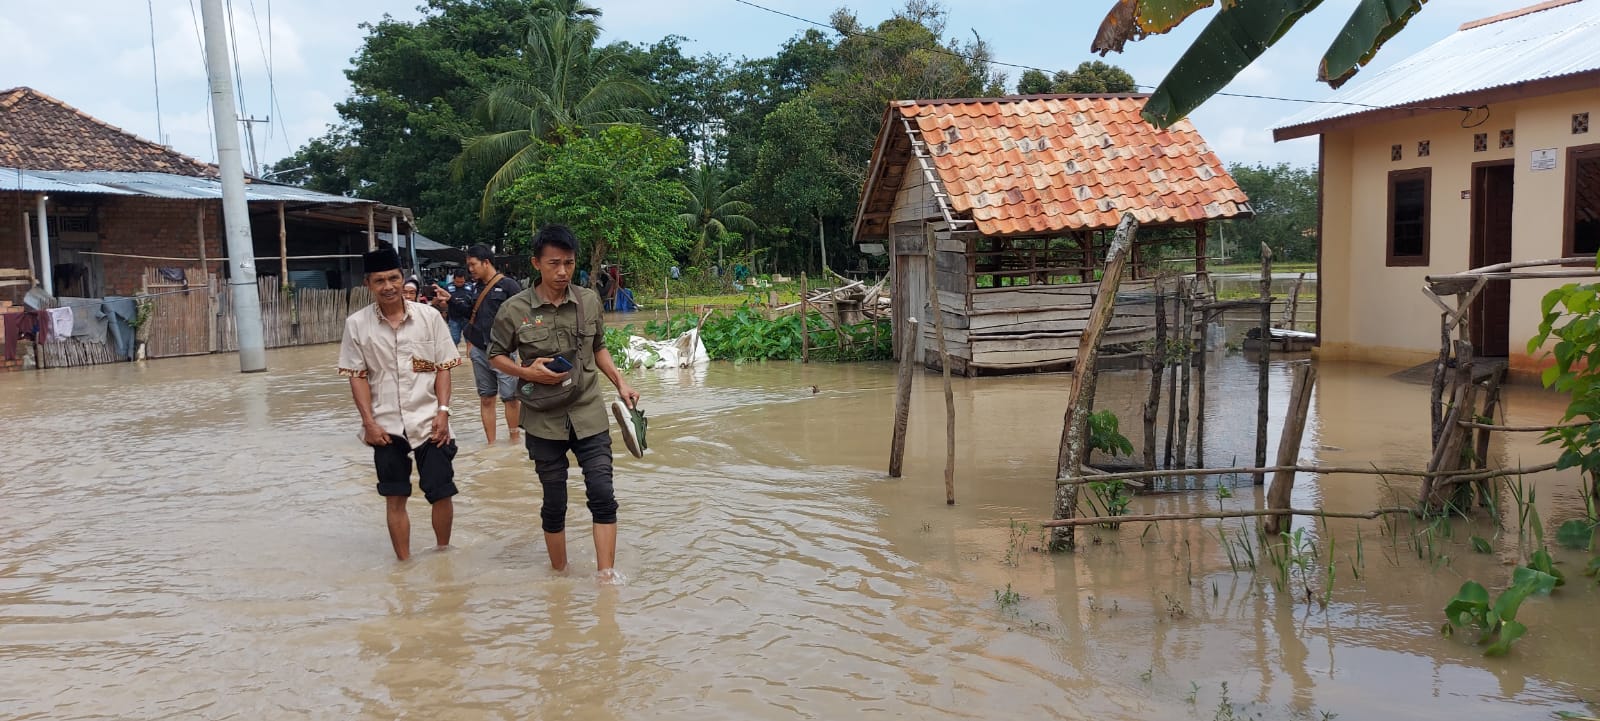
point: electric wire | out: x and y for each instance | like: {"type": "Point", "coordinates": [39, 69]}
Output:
{"type": "Point", "coordinates": [211, 133]}
{"type": "Point", "coordinates": [990, 61]}
{"type": "Point", "coordinates": [155, 70]}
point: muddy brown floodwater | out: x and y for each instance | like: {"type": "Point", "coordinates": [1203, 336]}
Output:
{"type": "Point", "coordinates": [182, 541]}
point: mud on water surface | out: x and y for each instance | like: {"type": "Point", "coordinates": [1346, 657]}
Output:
{"type": "Point", "coordinates": [187, 542]}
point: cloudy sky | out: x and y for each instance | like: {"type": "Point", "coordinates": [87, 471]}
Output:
{"type": "Point", "coordinates": [96, 55]}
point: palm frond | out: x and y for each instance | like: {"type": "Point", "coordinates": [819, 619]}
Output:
{"type": "Point", "coordinates": [510, 104]}
{"type": "Point", "coordinates": [489, 151]}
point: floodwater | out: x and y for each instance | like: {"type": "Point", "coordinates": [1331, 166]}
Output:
{"type": "Point", "coordinates": [187, 542]}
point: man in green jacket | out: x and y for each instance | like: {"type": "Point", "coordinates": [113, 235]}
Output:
{"type": "Point", "coordinates": [556, 318]}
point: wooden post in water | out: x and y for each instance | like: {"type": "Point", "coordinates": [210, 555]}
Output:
{"type": "Point", "coordinates": [902, 395]}
{"type": "Point", "coordinates": [1291, 312]}
{"type": "Point", "coordinates": [1263, 358]}
{"type": "Point", "coordinates": [1200, 387]}
{"type": "Point", "coordinates": [1480, 450]}
{"type": "Point", "coordinates": [1080, 395]}
{"type": "Point", "coordinates": [1158, 365]}
{"type": "Point", "coordinates": [937, 309]}
{"type": "Point", "coordinates": [1185, 316]}
{"type": "Point", "coordinates": [283, 249]}
{"type": "Point", "coordinates": [1294, 426]}
{"type": "Point", "coordinates": [1172, 387]}
{"type": "Point", "coordinates": [805, 312]}
{"type": "Point", "coordinates": [1447, 456]}
{"type": "Point", "coordinates": [1440, 372]}
{"type": "Point", "coordinates": [200, 236]}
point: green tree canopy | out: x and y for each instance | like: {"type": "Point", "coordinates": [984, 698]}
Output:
{"type": "Point", "coordinates": [1090, 77]}
{"type": "Point", "coordinates": [566, 86]}
{"type": "Point", "coordinates": [798, 167]}
{"type": "Point", "coordinates": [611, 188]}
{"type": "Point", "coordinates": [1094, 76]}
{"type": "Point", "coordinates": [413, 89]}
{"type": "Point", "coordinates": [1284, 198]}
{"type": "Point", "coordinates": [713, 210]}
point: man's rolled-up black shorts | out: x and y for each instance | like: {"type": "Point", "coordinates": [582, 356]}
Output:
{"type": "Point", "coordinates": [435, 468]}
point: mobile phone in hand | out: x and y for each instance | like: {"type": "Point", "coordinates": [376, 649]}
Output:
{"type": "Point", "coordinates": [558, 364]}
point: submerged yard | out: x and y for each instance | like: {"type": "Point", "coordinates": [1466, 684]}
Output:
{"type": "Point", "coordinates": [220, 553]}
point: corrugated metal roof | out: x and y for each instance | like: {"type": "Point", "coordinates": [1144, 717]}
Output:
{"type": "Point", "coordinates": [1550, 43]}
{"type": "Point", "coordinates": [156, 185]}
{"type": "Point", "coordinates": [424, 243]}
{"type": "Point", "coordinates": [1047, 164]}
{"type": "Point", "coordinates": [28, 182]}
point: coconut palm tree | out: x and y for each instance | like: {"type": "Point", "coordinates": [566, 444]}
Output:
{"type": "Point", "coordinates": [711, 210]}
{"type": "Point", "coordinates": [571, 86]}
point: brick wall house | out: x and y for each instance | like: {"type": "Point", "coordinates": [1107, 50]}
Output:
{"type": "Point", "coordinates": [117, 205]}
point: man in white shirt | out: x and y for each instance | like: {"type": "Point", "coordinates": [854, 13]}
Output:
{"type": "Point", "coordinates": [398, 355]}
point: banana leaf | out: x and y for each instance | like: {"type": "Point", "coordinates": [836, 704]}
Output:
{"type": "Point", "coordinates": [1372, 24]}
{"type": "Point", "coordinates": [1135, 19]}
{"type": "Point", "coordinates": [1233, 40]}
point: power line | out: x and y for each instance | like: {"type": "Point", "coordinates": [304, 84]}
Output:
{"type": "Point", "coordinates": [211, 140]}
{"type": "Point", "coordinates": [155, 70]}
{"type": "Point", "coordinates": [945, 51]}
{"type": "Point", "coordinates": [238, 72]}
{"type": "Point", "coordinates": [270, 67]}
{"type": "Point", "coordinates": [266, 57]}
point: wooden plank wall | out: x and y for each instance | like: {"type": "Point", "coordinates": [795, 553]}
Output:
{"type": "Point", "coordinates": [307, 316]}
{"type": "Point", "coordinates": [1039, 326]}
{"type": "Point", "coordinates": [1010, 328]}
{"type": "Point", "coordinates": [180, 321]}
{"type": "Point", "coordinates": [74, 352]}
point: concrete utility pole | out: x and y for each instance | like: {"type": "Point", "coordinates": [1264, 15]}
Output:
{"type": "Point", "coordinates": [235, 213]}
{"type": "Point", "coordinates": [46, 268]}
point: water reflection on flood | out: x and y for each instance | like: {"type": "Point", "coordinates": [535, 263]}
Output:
{"type": "Point", "coordinates": [189, 542]}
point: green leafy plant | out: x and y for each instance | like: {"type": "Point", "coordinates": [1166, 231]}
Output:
{"type": "Point", "coordinates": [1008, 599]}
{"type": "Point", "coordinates": [1542, 562]}
{"type": "Point", "coordinates": [1014, 542]}
{"type": "Point", "coordinates": [146, 306]}
{"type": "Point", "coordinates": [1524, 495]}
{"type": "Point", "coordinates": [1105, 437]}
{"type": "Point", "coordinates": [1109, 498]}
{"type": "Point", "coordinates": [746, 334]}
{"type": "Point", "coordinates": [1480, 545]}
{"type": "Point", "coordinates": [1571, 317]}
{"type": "Point", "coordinates": [1577, 533]}
{"type": "Point", "coordinates": [617, 344]}
{"type": "Point", "coordinates": [1496, 621]}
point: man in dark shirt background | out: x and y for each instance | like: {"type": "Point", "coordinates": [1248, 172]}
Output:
{"type": "Point", "coordinates": [455, 301]}
{"type": "Point", "coordinates": [493, 289]}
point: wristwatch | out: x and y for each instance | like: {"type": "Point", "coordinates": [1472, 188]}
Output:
{"type": "Point", "coordinates": [445, 410]}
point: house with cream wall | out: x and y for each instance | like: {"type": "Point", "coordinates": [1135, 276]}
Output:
{"type": "Point", "coordinates": [1476, 150]}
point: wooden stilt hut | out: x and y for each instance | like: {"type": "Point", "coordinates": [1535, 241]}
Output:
{"type": "Point", "coordinates": [1020, 196]}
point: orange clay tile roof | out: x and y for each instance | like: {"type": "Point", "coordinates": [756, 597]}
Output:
{"type": "Point", "coordinates": [1045, 164]}
{"type": "Point", "coordinates": [38, 132]}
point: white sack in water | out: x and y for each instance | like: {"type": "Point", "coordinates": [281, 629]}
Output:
{"type": "Point", "coordinates": [683, 352]}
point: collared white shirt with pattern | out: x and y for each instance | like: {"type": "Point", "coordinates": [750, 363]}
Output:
{"type": "Point", "coordinates": [399, 362]}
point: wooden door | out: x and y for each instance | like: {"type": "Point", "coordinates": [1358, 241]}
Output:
{"type": "Point", "coordinates": [1490, 320]}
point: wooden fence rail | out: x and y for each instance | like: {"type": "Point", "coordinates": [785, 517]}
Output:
{"type": "Point", "coordinates": [200, 320]}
